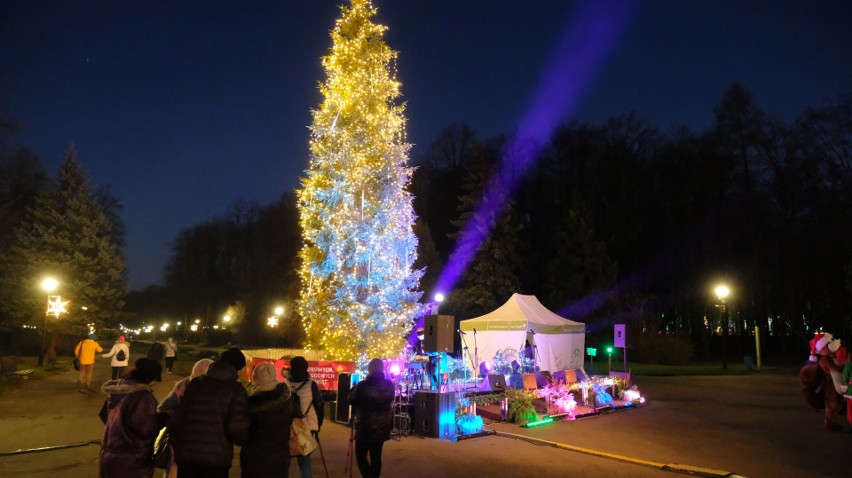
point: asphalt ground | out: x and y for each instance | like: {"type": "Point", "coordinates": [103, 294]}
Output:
{"type": "Point", "coordinates": [754, 425]}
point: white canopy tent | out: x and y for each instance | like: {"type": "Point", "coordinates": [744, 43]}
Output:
{"type": "Point", "coordinates": [559, 341]}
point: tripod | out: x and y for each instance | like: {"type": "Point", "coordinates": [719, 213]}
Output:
{"type": "Point", "coordinates": [473, 365]}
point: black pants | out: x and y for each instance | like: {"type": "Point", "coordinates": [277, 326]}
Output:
{"type": "Point", "coordinates": [169, 362]}
{"type": "Point", "coordinates": [373, 468]}
{"type": "Point", "coordinates": [116, 372]}
{"type": "Point", "coordinates": [190, 470]}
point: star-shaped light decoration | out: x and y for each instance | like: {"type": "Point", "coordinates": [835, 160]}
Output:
{"type": "Point", "coordinates": [56, 306]}
{"type": "Point", "coordinates": [272, 321]}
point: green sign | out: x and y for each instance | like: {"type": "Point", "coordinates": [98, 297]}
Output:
{"type": "Point", "coordinates": [591, 351]}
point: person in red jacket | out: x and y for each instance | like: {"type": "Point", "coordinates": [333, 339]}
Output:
{"type": "Point", "coordinates": [130, 416]}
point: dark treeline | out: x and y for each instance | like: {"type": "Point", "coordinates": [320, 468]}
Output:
{"type": "Point", "coordinates": [617, 222]}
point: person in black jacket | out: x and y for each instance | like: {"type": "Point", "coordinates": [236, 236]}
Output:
{"type": "Point", "coordinates": [371, 401]}
{"type": "Point", "coordinates": [129, 414]}
{"type": "Point", "coordinates": [211, 419]}
{"type": "Point", "coordinates": [267, 453]}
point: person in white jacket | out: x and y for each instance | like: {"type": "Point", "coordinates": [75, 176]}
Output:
{"type": "Point", "coordinates": [120, 353]}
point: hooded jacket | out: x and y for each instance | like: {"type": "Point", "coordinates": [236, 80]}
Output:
{"type": "Point", "coordinates": [129, 413]}
{"type": "Point", "coordinates": [371, 401]}
{"type": "Point", "coordinates": [113, 352]}
{"type": "Point", "coordinates": [268, 449]}
{"type": "Point", "coordinates": [211, 419]}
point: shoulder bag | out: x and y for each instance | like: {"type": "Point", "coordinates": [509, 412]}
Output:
{"type": "Point", "coordinates": [77, 356]}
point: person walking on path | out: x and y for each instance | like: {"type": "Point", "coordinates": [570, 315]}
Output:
{"type": "Point", "coordinates": [129, 413]}
{"type": "Point", "coordinates": [371, 401]}
{"type": "Point", "coordinates": [171, 351]}
{"type": "Point", "coordinates": [85, 351]}
{"type": "Point", "coordinates": [267, 452]}
{"type": "Point", "coordinates": [310, 400]}
{"type": "Point", "coordinates": [171, 403]}
{"type": "Point", "coordinates": [120, 353]}
{"type": "Point", "coordinates": [211, 419]}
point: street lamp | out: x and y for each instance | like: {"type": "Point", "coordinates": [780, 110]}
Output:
{"type": "Point", "coordinates": [722, 292]}
{"type": "Point", "coordinates": [49, 284]}
{"type": "Point", "coordinates": [609, 354]}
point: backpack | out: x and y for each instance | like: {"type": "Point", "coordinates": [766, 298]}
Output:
{"type": "Point", "coordinates": [298, 411]}
{"type": "Point", "coordinates": [120, 356]}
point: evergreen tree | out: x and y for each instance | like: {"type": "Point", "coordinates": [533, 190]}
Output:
{"type": "Point", "coordinates": [358, 296]}
{"type": "Point", "coordinates": [66, 235]}
{"type": "Point", "coordinates": [493, 243]}
{"type": "Point", "coordinates": [579, 266]}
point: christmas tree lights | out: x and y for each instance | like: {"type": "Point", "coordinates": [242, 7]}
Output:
{"type": "Point", "coordinates": [358, 297]}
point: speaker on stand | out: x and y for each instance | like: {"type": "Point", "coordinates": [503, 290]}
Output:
{"type": "Point", "coordinates": [344, 386]}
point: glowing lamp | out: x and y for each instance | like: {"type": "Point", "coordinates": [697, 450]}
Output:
{"type": "Point", "coordinates": [394, 369]}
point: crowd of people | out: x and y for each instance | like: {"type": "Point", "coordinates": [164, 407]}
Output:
{"type": "Point", "coordinates": [209, 412]}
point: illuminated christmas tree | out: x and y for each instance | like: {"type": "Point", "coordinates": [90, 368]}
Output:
{"type": "Point", "coordinates": [358, 297]}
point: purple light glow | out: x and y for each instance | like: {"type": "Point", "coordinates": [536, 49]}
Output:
{"type": "Point", "coordinates": [590, 35]}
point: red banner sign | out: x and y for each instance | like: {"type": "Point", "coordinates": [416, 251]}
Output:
{"type": "Point", "coordinates": [324, 373]}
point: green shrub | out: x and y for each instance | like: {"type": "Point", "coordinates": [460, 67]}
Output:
{"type": "Point", "coordinates": [521, 410]}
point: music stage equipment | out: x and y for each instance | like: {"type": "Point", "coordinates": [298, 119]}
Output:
{"type": "Point", "coordinates": [496, 382]}
{"type": "Point", "coordinates": [438, 333]}
{"type": "Point", "coordinates": [530, 382]}
{"type": "Point", "coordinates": [344, 386]}
{"type": "Point", "coordinates": [434, 414]}
{"type": "Point", "coordinates": [543, 378]}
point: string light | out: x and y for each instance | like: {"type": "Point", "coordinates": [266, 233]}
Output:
{"type": "Point", "coordinates": [358, 298]}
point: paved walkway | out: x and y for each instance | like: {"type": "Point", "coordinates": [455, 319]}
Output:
{"type": "Point", "coordinates": [751, 426]}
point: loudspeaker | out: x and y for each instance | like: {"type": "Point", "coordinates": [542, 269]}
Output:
{"type": "Point", "coordinates": [516, 381]}
{"type": "Point", "coordinates": [496, 382]}
{"type": "Point", "coordinates": [438, 333]}
{"type": "Point", "coordinates": [344, 385]}
{"type": "Point", "coordinates": [543, 378]}
{"type": "Point", "coordinates": [434, 414]}
{"type": "Point", "coordinates": [565, 376]}
{"type": "Point", "coordinates": [530, 383]}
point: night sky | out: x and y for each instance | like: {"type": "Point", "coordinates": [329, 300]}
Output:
{"type": "Point", "coordinates": [184, 107]}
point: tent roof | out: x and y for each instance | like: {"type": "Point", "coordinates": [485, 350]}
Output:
{"type": "Point", "coordinates": [522, 312]}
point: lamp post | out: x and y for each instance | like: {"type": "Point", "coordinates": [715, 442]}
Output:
{"type": "Point", "coordinates": [49, 284]}
{"type": "Point", "coordinates": [722, 292]}
{"type": "Point", "coordinates": [609, 353]}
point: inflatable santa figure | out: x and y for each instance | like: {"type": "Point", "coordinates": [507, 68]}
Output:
{"type": "Point", "coordinates": [825, 348]}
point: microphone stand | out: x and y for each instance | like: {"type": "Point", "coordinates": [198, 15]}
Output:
{"type": "Point", "coordinates": [536, 356]}
{"type": "Point", "coordinates": [465, 349]}
{"type": "Point", "coordinates": [475, 359]}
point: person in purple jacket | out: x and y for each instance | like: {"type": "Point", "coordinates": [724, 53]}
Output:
{"type": "Point", "coordinates": [130, 416]}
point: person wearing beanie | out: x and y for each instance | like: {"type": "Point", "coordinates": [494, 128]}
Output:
{"type": "Point", "coordinates": [371, 401]}
{"type": "Point", "coordinates": [170, 404]}
{"type": "Point", "coordinates": [129, 413]}
{"type": "Point", "coordinates": [212, 417]}
{"type": "Point", "coordinates": [310, 399]}
{"type": "Point", "coordinates": [825, 347]}
{"type": "Point", "coordinates": [267, 452]}
{"type": "Point", "coordinates": [119, 360]}
{"type": "Point", "coordinates": [85, 351]}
